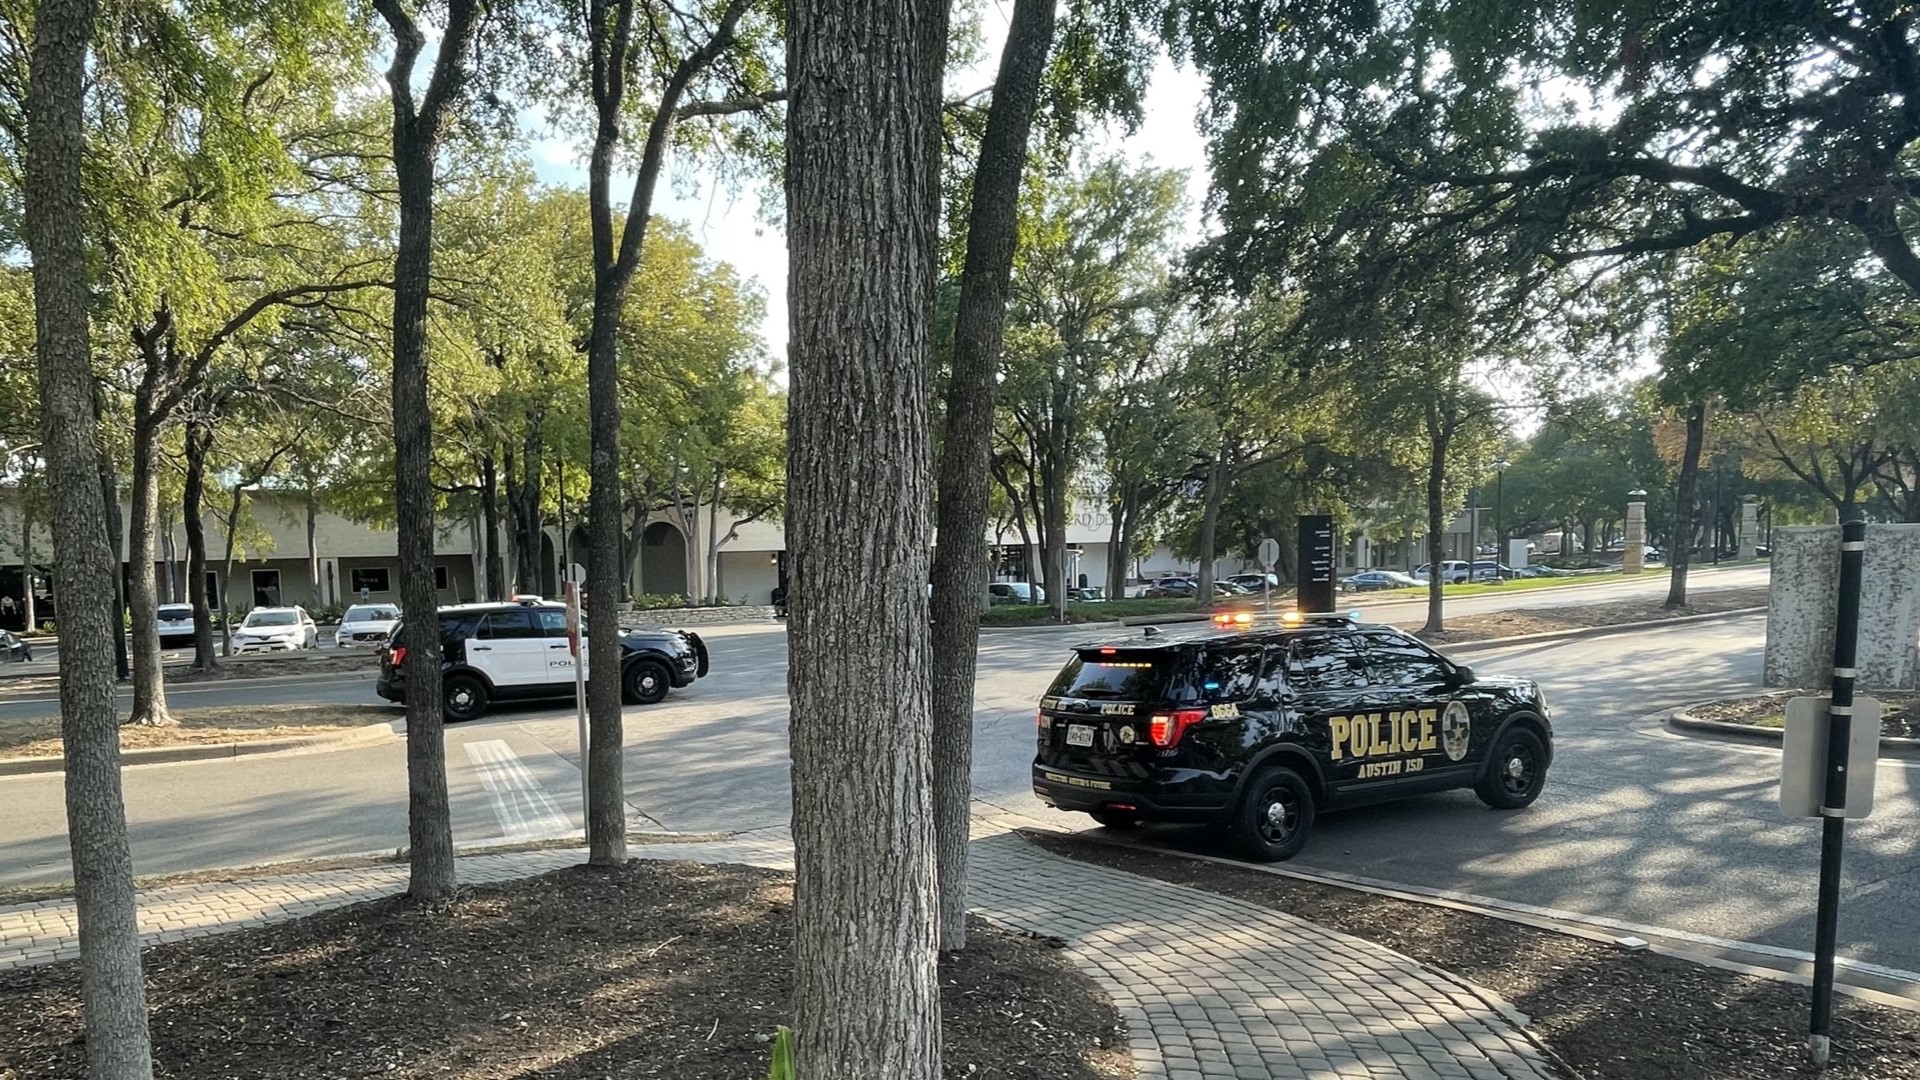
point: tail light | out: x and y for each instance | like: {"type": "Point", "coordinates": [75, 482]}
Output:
{"type": "Point", "coordinates": [1165, 729]}
{"type": "Point", "coordinates": [1040, 720]}
{"type": "Point", "coordinates": [397, 655]}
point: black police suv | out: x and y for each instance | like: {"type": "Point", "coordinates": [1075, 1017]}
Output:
{"type": "Point", "coordinates": [519, 650]}
{"type": "Point", "coordinates": [1262, 729]}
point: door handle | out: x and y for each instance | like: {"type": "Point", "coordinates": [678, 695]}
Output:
{"type": "Point", "coordinates": [562, 645]}
{"type": "Point", "coordinates": [482, 648]}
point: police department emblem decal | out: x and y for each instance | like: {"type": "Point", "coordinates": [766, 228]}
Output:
{"type": "Point", "coordinates": [1455, 731]}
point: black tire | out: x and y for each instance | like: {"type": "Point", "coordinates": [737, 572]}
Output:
{"type": "Point", "coordinates": [1115, 819]}
{"type": "Point", "coordinates": [646, 682]}
{"type": "Point", "coordinates": [1275, 816]}
{"type": "Point", "coordinates": [1516, 771]}
{"type": "Point", "coordinates": [465, 697]}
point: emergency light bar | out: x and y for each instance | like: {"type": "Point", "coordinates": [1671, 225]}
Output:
{"type": "Point", "coordinates": [1230, 620]}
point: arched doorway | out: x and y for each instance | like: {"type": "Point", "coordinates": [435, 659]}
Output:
{"type": "Point", "coordinates": [663, 560]}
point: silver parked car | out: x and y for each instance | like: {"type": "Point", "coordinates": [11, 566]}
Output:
{"type": "Point", "coordinates": [366, 626]}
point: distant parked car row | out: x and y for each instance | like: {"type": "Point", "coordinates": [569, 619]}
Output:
{"type": "Point", "coordinates": [276, 629]}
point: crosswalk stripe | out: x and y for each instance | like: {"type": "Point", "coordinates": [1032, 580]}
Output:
{"type": "Point", "coordinates": [520, 804]}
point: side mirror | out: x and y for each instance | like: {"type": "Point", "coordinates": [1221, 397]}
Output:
{"type": "Point", "coordinates": [1462, 676]}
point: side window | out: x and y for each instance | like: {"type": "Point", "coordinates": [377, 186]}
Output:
{"type": "Point", "coordinates": [553, 622]}
{"type": "Point", "coordinates": [509, 624]}
{"type": "Point", "coordinates": [1401, 661]}
{"type": "Point", "coordinates": [1326, 662]}
{"type": "Point", "coordinates": [1230, 675]}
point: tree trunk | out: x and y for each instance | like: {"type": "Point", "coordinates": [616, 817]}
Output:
{"type": "Point", "coordinates": [490, 518]}
{"type": "Point", "coordinates": [199, 442]}
{"type": "Point", "coordinates": [169, 559]}
{"type": "Point", "coordinates": [712, 584]}
{"type": "Point", "coordinates": [862, 213]}
{"type": "Point", "coordinates": [313, 550]}
{"type": "Point", "coordinates": [960, 560]}
{"type": "Point", "coordinates": [226, 576]}
{"type": "Point", "coordinates": [416, 137]}
{"type": "Point", "coordinates": [1116, 554]}
{"type": "Point", "coordinates": [85, 564]}
{"type": "Point", "coordinates": [1217, 477]}
{"type": "Point", "coordinates": [109, 487]}
{"type": "Point", "coordinates": [1681, 553]}
{"type": "Point", "coordinates": [149, 684]}
{"type": "Point", "coordinates": [523, 503]}
{"type": "Point", "coordinates": [27, 564]}
{"type": "Point", "coordinates": [1439, 435]}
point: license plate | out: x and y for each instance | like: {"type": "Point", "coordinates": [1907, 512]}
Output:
{"type": "Point", "coordinates": [1079, 735]}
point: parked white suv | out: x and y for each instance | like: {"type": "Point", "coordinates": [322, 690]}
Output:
{"type": "Point", "coordinates": [175, 622]}
{"type": "Point", "coordinates": [366, 626]}
{"type": "Point", "coordinates": [274, 629]}
{"type": "Point", "coordinates": [1452, 572]}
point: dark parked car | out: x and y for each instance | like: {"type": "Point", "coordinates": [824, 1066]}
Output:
{"type": "Point", "coordinates": [1262, 730]}
{"type": "Point", "coordinates": [1375, 580]}
{"type": "Point", "coordinates": [14, 647]}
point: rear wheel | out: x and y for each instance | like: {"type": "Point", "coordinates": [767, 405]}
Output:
{"type": "Point", "coordinates": [1275, 816]}
{"type": "Point", "coordinates": [1516, 772]}
{"type": "Point", "coordinates": [1115, 819]}
{"type": "Point", "coordinates": [466, 697]}
{"type": "Point", "coordinates": [647, 682]}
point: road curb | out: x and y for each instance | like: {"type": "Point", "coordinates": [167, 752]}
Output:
{"type": "Point", "coordinates": [1594, 631]}
{"type": "Point", "coordinates": [1883, 985]}
{"type": "Point", "coordinates": [158, 755]}
{"type": "Point", "coordinates": [1682, 721]}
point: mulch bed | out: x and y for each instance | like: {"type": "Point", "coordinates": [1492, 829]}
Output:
{"type": "Point", "coordinates": [1608, 1013]}
{"type": "Point", "coordinates": [1499, 624]}
{"type": "Point", "coordinates": [1899, 718]}
{"type": "Point", "coordinates": [653, 969]}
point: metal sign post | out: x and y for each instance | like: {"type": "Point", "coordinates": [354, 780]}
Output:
{"type": "Point", "coordinates": [572, 592]}
{"type": "Point", "coordinates": [1269, 555]}
{"type": "Point", "coordinates": [1833, 809]}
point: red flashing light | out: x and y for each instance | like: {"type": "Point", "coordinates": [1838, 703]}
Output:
{"type": "Point", "coordinates": [1109, 652]}
{"type": "Point", "coordinates": [398, 655]}
{"type": "Point", "coordinates": [1165, 729]}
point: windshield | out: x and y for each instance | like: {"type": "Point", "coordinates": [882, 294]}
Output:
{"type": "Point", "coordinates": [270, 618]}
{"type": "Point", "coordinates": [371, 614]}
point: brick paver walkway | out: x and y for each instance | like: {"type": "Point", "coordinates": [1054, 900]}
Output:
{"type": "Point", "coordinates": [1213, 987]}
{"type": "Point", "coordinates": [1210, 987]}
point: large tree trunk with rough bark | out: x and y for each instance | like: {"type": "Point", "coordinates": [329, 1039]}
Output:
{"type": "Point", "coordinates": [1684, 494]}
{"type": "Point", "coordinates": [416, 138]}
{"type": "Point", "coordinates": [149, 684]}
{"type": "Point", "coordinates": [606, 738]}
{"type": "Point", "coordinates": [86, 568]}
{"type": "Point", "coordinates": [960, 560]}
{"type": "Point", "coordinates": [199, 443]}
{"type": "Point", "coordinates": [108, 479]}
{"type": "Point", "coordinates": [862, 213]}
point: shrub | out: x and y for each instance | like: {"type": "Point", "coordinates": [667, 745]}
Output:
{"type": "Point", "coordinates": [782, 1068]}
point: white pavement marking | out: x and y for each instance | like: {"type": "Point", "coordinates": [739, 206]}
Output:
{"type": "Point", "coordinates": [523, 807]}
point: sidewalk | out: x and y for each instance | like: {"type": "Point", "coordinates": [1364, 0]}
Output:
{"type": "Point", "coordinates": [1210, 987]}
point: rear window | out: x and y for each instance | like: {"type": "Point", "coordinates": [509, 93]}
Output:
{"type": "Point", "coordinates": [1208, 675]}
{"type": "Point", "coordinates": [1120, 675]}
{"type": "Point", "coordinates": [176, 611]}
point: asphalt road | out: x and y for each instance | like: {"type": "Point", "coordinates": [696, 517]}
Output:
{"type": "Point", "coordinates": [1636, 824]}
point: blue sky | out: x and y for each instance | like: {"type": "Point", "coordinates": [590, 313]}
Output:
{"type": "Point", "coordinates": [729, 224]}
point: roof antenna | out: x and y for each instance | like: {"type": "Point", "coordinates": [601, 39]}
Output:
{"type": "Point", "coordinates": [1151, 631]}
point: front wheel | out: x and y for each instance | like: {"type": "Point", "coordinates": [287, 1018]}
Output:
{"type": "Point", "coordinates": [1516, 772]}
{"type": "Point", "coordinates": [647, 682]}
{"type": "Point", "coordinates": [1275, 816]}
{"type": "Point", "coordinates": [466, 697]}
